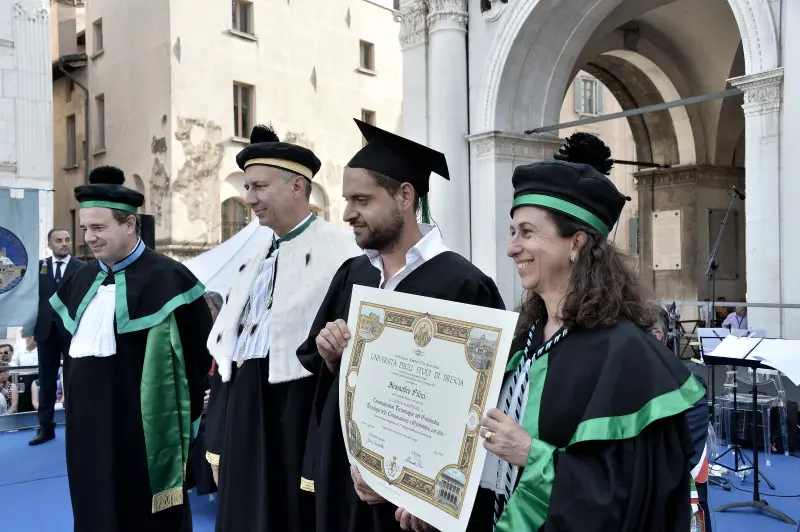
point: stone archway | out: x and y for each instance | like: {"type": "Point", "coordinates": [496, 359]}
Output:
{"type": "Point", "coordinates": [558, 30]}
{"type": "Point", "coordinates": [531, 57]}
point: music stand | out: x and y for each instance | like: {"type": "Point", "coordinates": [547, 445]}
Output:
{"type": "Point", "coordinates": [739, 354]}
{"type": "Point", "coordinates": [717, 335]}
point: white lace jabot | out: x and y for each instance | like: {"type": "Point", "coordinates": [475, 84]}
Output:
{"type": "Point", "coordinates": [95, 334]}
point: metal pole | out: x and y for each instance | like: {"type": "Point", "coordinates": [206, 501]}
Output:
{"type": "Point", "coordinates": [639, 111]}
{"type": "Point", "coordinates": [86, 135]}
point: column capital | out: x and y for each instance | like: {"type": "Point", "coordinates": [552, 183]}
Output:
{"type": "Point", "coordinates": [447, 15]}
{"type": "Point", "coordinates": [413, 23]}
{"type": "Point", "coordinates": [763, 92]}
{"type": "Point", "coordinates": [517, 146]}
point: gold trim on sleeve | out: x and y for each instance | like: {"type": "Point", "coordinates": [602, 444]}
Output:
{"type": "Point", "coordinates": [306, 485]}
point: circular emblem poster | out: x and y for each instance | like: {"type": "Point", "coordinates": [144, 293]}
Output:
{"type": "Point", "coordinates": [13, 260]}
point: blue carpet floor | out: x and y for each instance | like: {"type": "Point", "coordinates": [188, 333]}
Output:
{"type": "Point", "coordinates": [34, 490]}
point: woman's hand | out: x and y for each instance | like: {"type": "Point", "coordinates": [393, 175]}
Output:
{"type": "Point", "coordinates": [409, 522]}
{"type": "Point", "coordinates": [506, 439]}
{"type": "Point", "coordinates": [363, 491]}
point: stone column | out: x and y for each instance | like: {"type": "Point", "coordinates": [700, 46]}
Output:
{"type": "Point", "coordinates": [448, 123]}
{"type": "Point", "coordinates": [790, 184]}
{"type": "Point", "coordinates": [414, 45]}
{"type": "Point", "coordinates": [495, 155]}
{"type": "Point", "coordinates": [762, 110]}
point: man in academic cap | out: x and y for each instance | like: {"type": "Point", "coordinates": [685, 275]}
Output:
{"type": "Point", "coordinates": [133, 375]}
{"type": "Point", "coordinates": [384, 184]}
{"type": "Point", "coordinates": [260, 401]}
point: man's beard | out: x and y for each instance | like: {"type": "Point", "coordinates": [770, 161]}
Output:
{"type": "Point", "coordinates": [384, 235]}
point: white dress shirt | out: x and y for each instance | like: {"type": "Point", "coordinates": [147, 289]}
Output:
{"type": "Point", "coordinates": [64, 263]}
{"type": "Point", "coordinates": [427, 248]}
{"type": "Point", "coordinates": [256, 344]}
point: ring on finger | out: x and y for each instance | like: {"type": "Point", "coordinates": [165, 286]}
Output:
{"type": "Point", "coordinates": [488, 436]}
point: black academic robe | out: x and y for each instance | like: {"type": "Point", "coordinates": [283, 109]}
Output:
{"type": "Point", "coordinates": [250, 422]}
{"type": "Point", "coordinates": [106, 455]}
{"type": "Point", "coordinates": [613, 442]}
{"type": "Point", "coordinates": [326, 468]}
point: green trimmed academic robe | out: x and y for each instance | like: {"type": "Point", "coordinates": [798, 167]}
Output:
{"type": "Point", "coordinates": [129, 414]}
{"type": "Point", "coordinates": [610, 444]}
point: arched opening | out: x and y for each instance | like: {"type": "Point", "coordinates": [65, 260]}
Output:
{"type": "Point", "coordinates": [645, 52]}
{"type": "Point", "coordinates": [589, 95]}
{"type": "Point", "coordinates": [235, 215]}
{"type": "Point", "coordinates": [138, 185]}
{"type": "Point", "coordinates": [318, 202]}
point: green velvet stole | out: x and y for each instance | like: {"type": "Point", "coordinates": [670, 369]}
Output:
{"type": "Point", "coordinates": [528, 505]}
{"type": "Point", "coordinates": [166, 412]}
{"type": "Point", "coordinates": [164, 390]}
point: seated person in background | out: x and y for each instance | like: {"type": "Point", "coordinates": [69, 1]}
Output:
{"type": "Point", "coordinates": [59, 391]}
{"type": "Point", "coordinates": [736, 320]}
{"type": "Point", "coordinates": [28, 356]}
{"type": "Point", "coordinates": [697, 418]}
{"type": "Point", "coordinates": [8, 391]}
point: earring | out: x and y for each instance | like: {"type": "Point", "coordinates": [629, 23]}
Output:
{"type": "Point", "coordinates": [572, 260]}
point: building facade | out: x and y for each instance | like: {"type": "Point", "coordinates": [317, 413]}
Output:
{"type": "Point", "coordinates": [26, 104]}
{"type": "Point", "coordinates": [479, 74]}
{"type": "Point", "coordinates": [175, 90]}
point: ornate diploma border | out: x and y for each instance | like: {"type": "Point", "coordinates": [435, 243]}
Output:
{"type": "Point", "coordinates": [444, 492]}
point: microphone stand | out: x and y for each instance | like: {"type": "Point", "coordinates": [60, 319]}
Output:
{"type": "Point", "coordinates": [711, 268]}
{"type": "Point", "coordinates": [711, 274]}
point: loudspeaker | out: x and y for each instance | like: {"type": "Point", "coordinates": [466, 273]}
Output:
{"type": "Point", "coordinates": [148, 230]}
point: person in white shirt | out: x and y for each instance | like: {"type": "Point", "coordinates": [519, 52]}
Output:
{"type": "Point", "coordinates": [26, 357]}
{"type": "Point", "coordinates": [736, 320]}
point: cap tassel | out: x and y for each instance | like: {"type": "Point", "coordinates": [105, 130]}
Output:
{"type": "Point", "coordinates": [424, 209]}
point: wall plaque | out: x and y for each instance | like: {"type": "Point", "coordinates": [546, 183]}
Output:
{"type": "Point", "coordinates": [667, 237]}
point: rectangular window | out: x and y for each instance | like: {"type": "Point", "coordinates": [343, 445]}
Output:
{"type": "Point", "coordinates": [72, 153]}
{"type": "Point", "coordinates": [368, 117]}
{"type": "Point", "coordinates": [242, 13]}
{"type": "Point", "coordinates": [97, 36]}
{"type": "Point", "coordinates": [70, 89]}
{"type": "Point", "coordinates": [100, 103]}
{"type": "Point", "coordinates": [588, 96]}
{"type": "Point", "coordinates": [366, 55]}
{"type": "Point", "coordinates": [242, 110]}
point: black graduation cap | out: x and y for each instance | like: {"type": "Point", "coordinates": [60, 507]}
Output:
{"type": "Point", "coordinates": [105, 189]}
{"type": "Point", "coordinates": [266, 149]}
{"type": "Point", "coordinates": [576, 189]}
{"type": "Point", "coordinates": [399, 158]}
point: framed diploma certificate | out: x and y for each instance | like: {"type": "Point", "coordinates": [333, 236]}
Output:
{"type": "Point", "coordinates": [416, 378]}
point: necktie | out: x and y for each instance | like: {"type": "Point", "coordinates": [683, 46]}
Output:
{"type": "Point", "coordinates": [59, 264]}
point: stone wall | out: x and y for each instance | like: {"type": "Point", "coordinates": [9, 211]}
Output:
{"type": "Point", "coordinates": [694, 191]}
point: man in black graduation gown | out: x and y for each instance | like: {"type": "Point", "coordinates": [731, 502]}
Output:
{"type": "Point", "coordinates": [260, 395]}
{"type": "Point", "coordinates": [383, 184]}
{"type": "Point", "coordinates": [136, 325]}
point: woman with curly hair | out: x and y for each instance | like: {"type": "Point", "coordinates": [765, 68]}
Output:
{"type": "Point", "coordinates": [589, 434]}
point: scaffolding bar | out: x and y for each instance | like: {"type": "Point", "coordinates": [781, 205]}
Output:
{"type": "Point", "coordinates": [639, 111]}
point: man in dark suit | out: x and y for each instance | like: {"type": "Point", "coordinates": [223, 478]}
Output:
{"type": "Point", "coordinates": [52, 272]}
